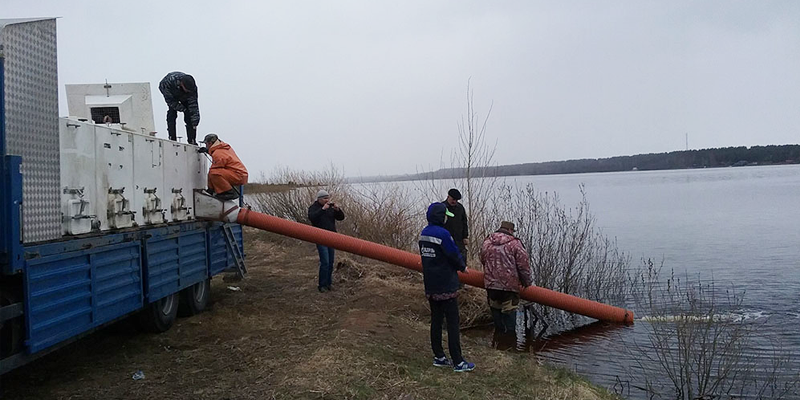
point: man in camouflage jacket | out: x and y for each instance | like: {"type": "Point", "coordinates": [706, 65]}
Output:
{"type": "Point", "coordinates": [180, 93]}
{"type": "Point", "coordinates": [505, 270]}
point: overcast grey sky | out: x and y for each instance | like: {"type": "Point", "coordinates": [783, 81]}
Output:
{"type": "Point", "coordinates": [378, 87]}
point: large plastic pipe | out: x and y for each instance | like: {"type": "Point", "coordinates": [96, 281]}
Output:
{"type": "Point", "coordinates": [547, 297]}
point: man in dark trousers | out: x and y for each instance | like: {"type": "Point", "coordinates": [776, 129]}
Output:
{"type": "Point", "coordinates": [180, 93]}
{"type": "Point", "coordinates": [323, 214]}
{"type": "Point", "coordinates": [441, 262]}
{"type": "Point", "coordinates": [457, 223]}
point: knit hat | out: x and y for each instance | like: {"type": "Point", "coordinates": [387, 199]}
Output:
{"type": "Point", "coordinates": [211, 137]}
{"type": "Point", "coordinates": [509, 226]}
{"type": "Point", "coordinates": [454, 193]}
{"type": "Point", "coordinates": [322, 193]}
{"type": "Point", "coordinates": [188, 82]}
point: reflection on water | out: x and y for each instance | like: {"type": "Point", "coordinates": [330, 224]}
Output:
{"type": "Point", "coordinates": [526, 340]}
{"type": "Point", "coordinates": [530, 336]}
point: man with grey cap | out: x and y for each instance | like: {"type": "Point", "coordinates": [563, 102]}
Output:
{"type": "Point", "coordinates": [505, 269]}
{"type": "Point", "coordinates": [323, 214]}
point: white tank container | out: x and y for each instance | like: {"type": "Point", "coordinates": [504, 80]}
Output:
{"type": "Point", "coordinates": [184, 170]}
{"type": "Point", "coordinates": [148, 171]}
{"type": "Point", "coordinates": [115, 173]}
{"type": "Point", "coordinates": [112, 178]}
{"type": "Point", "coordinates": [78, 185]}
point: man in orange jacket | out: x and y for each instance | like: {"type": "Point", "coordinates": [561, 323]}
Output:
{"type": "Point", "coordinates": [226, 169]}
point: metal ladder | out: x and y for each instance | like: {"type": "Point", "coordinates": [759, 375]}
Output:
{"type": "Point", "coordinates": [233, 247]}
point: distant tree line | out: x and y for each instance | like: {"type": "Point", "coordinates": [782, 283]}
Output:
{"type": "Point", "coordinates": [704, 158]}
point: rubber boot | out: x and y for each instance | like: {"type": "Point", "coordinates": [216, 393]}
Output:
{"type": "Point", "coordinates": [227, 195]}
{"type": "Point", "coordinates": [510, 321]}
{"type": "Point", "coordinates": [497, 318]}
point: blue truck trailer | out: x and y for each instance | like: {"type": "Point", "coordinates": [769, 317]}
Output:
{"type": "Point", "coordinates": [95, 225]}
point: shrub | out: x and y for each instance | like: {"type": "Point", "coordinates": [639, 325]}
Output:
{"type": "Point", "coordinates": [378, 213]}
{"type": "Point", "coordinates": [567, 252]}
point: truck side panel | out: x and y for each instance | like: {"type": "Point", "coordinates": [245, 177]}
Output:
{"type": "Point", "coordinates": [73, 286]}
{"type": "Point", "coordinates": [174, 262]}
{"type": "Point", "coordinates": [69, 293]}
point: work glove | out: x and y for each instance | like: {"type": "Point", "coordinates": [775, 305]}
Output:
{"type": "Point", "coordinates": [203, 150]}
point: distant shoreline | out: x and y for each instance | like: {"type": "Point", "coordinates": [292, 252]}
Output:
{"type": "Point", "coordinates": [676, 160]}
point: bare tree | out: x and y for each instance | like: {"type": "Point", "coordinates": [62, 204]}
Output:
{"type": "Point", "coordinates": [476, 157]}
{"type": "Point", "coordinates": [471, 170]}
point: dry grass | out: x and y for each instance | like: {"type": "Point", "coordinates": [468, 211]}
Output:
{"type": "Point", "coordinates": [280, 338]}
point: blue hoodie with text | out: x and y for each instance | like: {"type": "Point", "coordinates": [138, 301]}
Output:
{"type": "Point", "coordinates": [441, 258]}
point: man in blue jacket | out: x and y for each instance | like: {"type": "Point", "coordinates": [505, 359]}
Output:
{"type": "Point", "coordinates": [441, 261]}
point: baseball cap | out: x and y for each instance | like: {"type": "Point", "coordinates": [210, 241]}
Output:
{"type": "Point", "coordinates": [211, 137]}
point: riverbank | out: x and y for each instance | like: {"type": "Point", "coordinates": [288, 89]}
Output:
{"type": "Point", "coordinates": [279, 338]}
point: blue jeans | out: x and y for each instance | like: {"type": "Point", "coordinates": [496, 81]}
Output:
{"type": "Point", "coordinates": [325, 265]}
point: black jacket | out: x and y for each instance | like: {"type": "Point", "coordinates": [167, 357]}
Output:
{"type": "Point", "coordinates": [324, 219]}
{"type": "Point", "coordinates": [177, 99]}
{"type": "Point", "coordinates": [457, 225]}
{"type": "Point", "coordinates": [440, 256]}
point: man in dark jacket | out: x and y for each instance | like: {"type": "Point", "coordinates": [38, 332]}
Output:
{"type": "Point", "coordinates": [457, 223]}
{"type": "Point", "coordinates": [441, 262]}
{"type": "Point", "coordinates": [323, 214]}
{"type": "Point", "coordinates": [180, 93]}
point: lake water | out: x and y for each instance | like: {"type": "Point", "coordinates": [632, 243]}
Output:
{"type": "Point", "coordinates": [739, 226]}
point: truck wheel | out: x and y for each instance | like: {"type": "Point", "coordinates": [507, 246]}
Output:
{"type": "Point", "coordinates": [194, 299]}
{"type": "Point", "coordinates": [160, 315]}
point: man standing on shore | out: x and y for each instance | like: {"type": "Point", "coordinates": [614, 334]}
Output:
{"type": "Point", "coordinates": [441, 262]}
{"type": "Point", "coordinates": [457, 223]}
{"type": "Point", "coordinates": [323, 214]}
{"type": "Point", "coordinates": [505, 270]}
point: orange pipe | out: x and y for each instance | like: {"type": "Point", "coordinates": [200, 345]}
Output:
{"type": "Point", "coordinates": [413, 261]}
